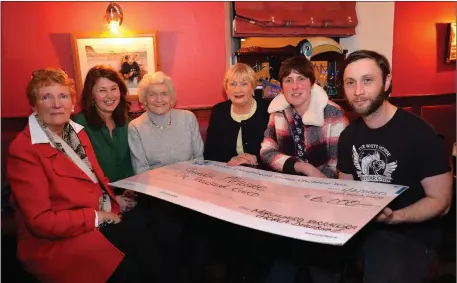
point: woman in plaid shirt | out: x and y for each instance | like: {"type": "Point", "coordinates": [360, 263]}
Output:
{"type": "Point", "coordinates": [302, 138]}
{"type": "Point", "coordinates": [304, 126]}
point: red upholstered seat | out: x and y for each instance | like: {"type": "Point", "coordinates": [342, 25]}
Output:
{"type": "Point", "coordinates": [442, 118]}
{"type": "Point", "coordinates": [7, 138]}
{"type": "Point", "coordinates": [409, 109]}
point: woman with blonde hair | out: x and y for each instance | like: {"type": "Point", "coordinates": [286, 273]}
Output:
{"type": "Point", "coordinates": [236, 126]}
{"type": "Point", "coordinates": [234, 135]}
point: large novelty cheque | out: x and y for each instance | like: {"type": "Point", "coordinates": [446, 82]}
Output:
{"type": "Point", "coordinates": [328, 211]}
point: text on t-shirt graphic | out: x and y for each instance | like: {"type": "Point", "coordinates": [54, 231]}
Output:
{"type": "Point", "coordinates": [372, 163]}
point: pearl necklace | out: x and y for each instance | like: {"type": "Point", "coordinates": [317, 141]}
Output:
{"type": "Point", "coordinates": [232, 111]}
{"type": "Point", "coordinates": [161, 126]}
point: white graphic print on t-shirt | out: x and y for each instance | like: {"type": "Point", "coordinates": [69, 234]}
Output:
{"type": "Point", "coordinates": [372, 163]}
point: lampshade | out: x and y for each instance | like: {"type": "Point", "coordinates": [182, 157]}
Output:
{"type": "Point", "coordinates": [114, 14]}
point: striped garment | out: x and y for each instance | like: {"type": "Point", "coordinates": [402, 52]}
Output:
{"type": "Point", "coordinates": [323, 124]}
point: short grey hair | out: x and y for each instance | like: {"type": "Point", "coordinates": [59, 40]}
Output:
{"type": "Point", "coordinates": [152, 79]}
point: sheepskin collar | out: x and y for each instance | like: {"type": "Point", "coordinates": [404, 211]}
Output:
{"type": "Point", "coordinates": [314, 115]}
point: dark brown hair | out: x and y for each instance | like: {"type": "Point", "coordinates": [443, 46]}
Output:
{"type": "Point", "coordinates": [120, 114]}
{"type": "Point", "coordinates": [299, 64]}
{"type": "Point", "coordinates": [47, 77]}
{"type": "Point", "coordinates": [380, 60]}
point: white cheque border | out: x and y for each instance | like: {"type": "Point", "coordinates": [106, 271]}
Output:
{"type": "Point", "coordinates": [213, 210]}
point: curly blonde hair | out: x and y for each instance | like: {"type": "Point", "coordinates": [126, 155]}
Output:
{"type": "Point", "coordinates": [242, 71]}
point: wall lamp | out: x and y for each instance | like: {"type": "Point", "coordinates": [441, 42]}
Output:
{"type": "Point", "coordinates": [113, 17]}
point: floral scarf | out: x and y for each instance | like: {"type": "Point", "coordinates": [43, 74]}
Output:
{"type": "Point", "coordinates": [298, 129]}
{"type": "Point", "coordinates": [70, 136]}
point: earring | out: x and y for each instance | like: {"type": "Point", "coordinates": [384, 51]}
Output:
{"type": "Point", "coordinates": [73, 109]}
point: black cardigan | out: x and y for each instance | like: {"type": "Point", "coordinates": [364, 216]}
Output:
{"type": "Point", "coordinates": [222, 133]}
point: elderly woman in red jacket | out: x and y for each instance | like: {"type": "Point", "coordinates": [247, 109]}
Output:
{"type": "Point", "coordinates": [70, 226]}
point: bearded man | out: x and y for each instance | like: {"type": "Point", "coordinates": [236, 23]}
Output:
{"type": "Point", "coordinates": [399, 245]}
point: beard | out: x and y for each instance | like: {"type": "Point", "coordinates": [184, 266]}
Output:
{"type": "Point", "coordinates": [372, 107]}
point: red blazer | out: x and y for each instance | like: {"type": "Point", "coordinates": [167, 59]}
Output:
{"type": "Point", "coordinates": [55, 205]}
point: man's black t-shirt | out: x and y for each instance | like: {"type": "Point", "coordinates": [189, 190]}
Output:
{"type": "Point", "coordinates": [404, 151]}
{"type": "Point", "coordinates": [126, 68]}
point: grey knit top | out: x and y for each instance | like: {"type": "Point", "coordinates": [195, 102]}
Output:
{"type": "Point", "coordinates": [152, 147]}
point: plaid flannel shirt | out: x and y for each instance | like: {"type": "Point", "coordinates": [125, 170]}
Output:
{"type": "Point", "coordinates": [320, 142]}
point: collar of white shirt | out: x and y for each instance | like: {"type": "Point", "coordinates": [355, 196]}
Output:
{"type": "Point", "coordinates": [38, 135]}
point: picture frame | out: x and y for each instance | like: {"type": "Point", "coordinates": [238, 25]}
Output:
{"type": "Point", "coordinates": [133, 56]}
{"type": "Point", "coordinates": [451, 43]}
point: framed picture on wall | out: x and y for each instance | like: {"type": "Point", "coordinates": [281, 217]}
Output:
{"type": "Point", "coordinates": [450, 43]}
{"type": "Point", "coordinates": [133, 56]}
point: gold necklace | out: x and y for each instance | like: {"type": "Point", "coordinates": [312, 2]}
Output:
{"type": "Point", "coordinates": [162, 126]}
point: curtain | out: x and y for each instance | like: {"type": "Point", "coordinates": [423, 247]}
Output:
{"type": "Point", "coordinates": [330, 19]}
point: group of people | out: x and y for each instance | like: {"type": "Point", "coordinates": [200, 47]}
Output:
{"type": "Point", "coordinates": [74, 227]}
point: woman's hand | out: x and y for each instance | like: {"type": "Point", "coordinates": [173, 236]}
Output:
{"type": "Point", "coordinates": [107, 217]}
{"type": "Point", "coordinates": [125, 203]}
{"type": "Point", "coordinates": [129, 194]}
{"type": "Point", "coordinates": [243, 158]}
{"type": "Point", "coordinates": [308, 170]}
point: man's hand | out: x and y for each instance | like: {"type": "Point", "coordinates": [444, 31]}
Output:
{"type": "Point", "coordinates": [389, 216]}
{"type": "Point", "coordinates": [244, 158]}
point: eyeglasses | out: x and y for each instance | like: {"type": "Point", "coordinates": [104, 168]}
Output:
{"type": "Point", "coordinates": [47, 71]}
